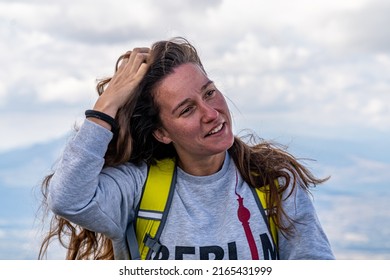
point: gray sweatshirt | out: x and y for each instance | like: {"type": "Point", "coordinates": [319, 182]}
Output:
{"type": "Point", "coordinates": [203, 222]}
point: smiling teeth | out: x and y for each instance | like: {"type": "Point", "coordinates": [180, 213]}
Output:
{"type": "Point", "coordinates": [216, 129]}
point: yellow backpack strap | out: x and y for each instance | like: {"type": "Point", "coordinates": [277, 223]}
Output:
{"type": "Point", "coordinates": [154, 206]}
{"type": "Point", "coordinates": [261, 198]}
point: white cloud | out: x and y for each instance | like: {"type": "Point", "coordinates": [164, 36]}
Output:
{"type": "Point", "coordinates": [358, 28]}
{"type": "Point", "coordinates": [366, 171]}
{"type": "Point", "coordinates": [3, 92]}
{"type": "Point", "coordinates": [278, 60]}
{"type": "Point", "coordinates": [67, 90]}
{"type": "Point", "coordinates": [356, 237]}
{"type": "Point", "coordinates": [350, 222]}
{"type": "Point", "coordinates": [22, 241]}
{"type": "Point", "coordinates": [26, 129]}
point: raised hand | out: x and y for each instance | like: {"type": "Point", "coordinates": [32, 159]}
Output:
{"type": "Point", "coordinates": [132, 68]}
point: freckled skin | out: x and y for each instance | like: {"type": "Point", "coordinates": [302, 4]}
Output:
{"type": "Point", "coordinates": [190, 108]}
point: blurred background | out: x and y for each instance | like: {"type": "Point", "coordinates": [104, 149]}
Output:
{"type": "Point", "coordinates": [312, 75]}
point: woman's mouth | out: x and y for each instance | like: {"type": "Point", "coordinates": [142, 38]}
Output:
{"type": "Point", "coordinates": [215, 130]}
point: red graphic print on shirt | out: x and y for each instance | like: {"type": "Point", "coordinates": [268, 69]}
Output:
{"type": "Point", "coordinates": [244, 215]}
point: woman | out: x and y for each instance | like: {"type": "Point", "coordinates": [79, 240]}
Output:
{"type": "Point", "coordinates": [159, 104]}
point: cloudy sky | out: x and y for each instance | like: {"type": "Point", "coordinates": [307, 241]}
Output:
{"type": "Point", "coordinates": [303, 69]}
{"type": "Point", "coordinates": [315, 67]}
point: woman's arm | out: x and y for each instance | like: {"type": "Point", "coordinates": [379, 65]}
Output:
{"type": "Point", "coordinates": [80, 191]}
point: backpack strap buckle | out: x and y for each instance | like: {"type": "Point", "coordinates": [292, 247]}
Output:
{"type": "Point", "coordinates": [152, 243]}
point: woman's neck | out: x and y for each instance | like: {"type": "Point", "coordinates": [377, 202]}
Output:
{"type": "Point", "coordinates": [203, 166]}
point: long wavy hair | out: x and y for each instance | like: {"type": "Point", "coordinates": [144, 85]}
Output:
{"type": "Point", "coordinates": [260, 163]}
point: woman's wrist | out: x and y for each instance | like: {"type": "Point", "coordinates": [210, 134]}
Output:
{"type": "Point", "coordinates": [102, 119]}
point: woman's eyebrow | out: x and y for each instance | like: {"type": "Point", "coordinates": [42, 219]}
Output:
{"type": "Point", "coordinates": [181, 104]}
{"type": "Point", "coordinates": [206, 85]}
{"type": "Point", "coordinates": [203, 88]}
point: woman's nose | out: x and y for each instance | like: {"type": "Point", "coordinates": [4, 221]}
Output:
{"type": "Point", "coordinates": [209, 113]}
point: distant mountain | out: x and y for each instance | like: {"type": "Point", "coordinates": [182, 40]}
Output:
{"type": "Point", "coordinates": [21, 174]}
{"type": "Point", "coordinates": [29, 163]}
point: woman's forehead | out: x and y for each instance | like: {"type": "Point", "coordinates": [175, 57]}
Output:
{"type": "Point", "coordinates": [183, 85]}
{"type": "Point", "coordinates": [186, 77]}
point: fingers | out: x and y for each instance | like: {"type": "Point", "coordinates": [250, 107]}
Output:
{"type": "Point", "coordinates": [132, 60]}
{"type": "Point", "coordinates": [142, 70]}
{"type": "Point", "coordinates": [130, 69]}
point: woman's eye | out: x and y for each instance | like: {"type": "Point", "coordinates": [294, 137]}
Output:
{"type": "Point", "coordinates": [185, 111]}
{"type": "Point", "coordinates": [210, 93]}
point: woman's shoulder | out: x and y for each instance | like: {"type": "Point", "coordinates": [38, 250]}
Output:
{"type": "Point", "coordinates": [137, 171]}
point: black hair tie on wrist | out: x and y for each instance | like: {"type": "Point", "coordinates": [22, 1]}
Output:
{"type": "Point", "coordinates": [104, 117]}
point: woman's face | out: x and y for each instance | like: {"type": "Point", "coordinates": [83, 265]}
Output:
{"type": "Point", "coordinates": [194, 114]}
